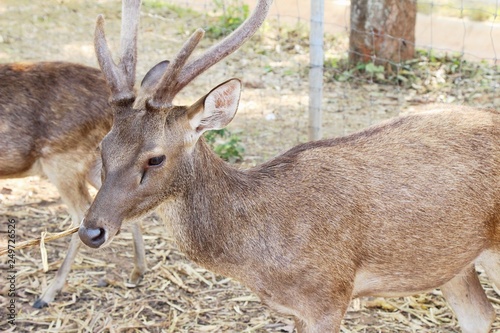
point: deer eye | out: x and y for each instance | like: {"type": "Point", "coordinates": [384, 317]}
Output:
{"type": "Point", "coordinates": [157, 160]}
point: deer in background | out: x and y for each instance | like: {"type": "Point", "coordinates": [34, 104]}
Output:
{"type": "Point", "coordinates": [400, 208]}
{"type": "Point", "coordinates": [52, 117]}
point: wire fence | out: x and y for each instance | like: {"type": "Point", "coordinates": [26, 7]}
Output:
{"type": "Point", "coordinates": [458, 48]}
{"type": "Point", "coordinates": [457, 58]}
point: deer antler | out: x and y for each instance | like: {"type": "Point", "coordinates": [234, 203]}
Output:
{"type": "Point", "coordinates": [178, 77]}
{"type": "Point", "coordinates": [169, 87]}
{"type": "Point", "coordinates": [121, 77]}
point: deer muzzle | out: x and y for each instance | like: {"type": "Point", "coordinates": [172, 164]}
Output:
{"type": "Point", "coordinates": [98, 232]}
{"type": "Point", "coordinates": [92, 237]}
{"type": "Point", "coordinates": [104, 218]}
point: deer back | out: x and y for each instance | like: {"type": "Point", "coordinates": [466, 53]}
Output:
{"type": "Point", "coordinates": [47, 108]}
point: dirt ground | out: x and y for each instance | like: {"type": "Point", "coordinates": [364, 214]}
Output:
{"type": "Point", "coordinates": [176, 295]}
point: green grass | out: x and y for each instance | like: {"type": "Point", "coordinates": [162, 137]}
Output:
{"type": "Point", "coordinates": [445, 68]}
{"type": "Point", "coordinates": [476, 12]}
{"type": "Point", "coordinates": [234, 13]}
{"type": "Point", "coordinates": [162, 5]}
{"type": "Point", "coordinates": [226, 144]}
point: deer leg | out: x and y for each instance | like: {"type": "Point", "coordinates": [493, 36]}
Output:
{"type": "Point", "coordinates": [62, 273]}
{"type": "Point", "coordinates": [325, 324]}
{"type": "Point", "coordinates": [139, 255]}
{"type": "Point", "coordinates": [490, 261]}
{"type": "Point", "coordinates": [74, 193]}
{"type": "Point", "coordinates": [466, 297]}
{"type": "Point", "coordinates": [313, 313]}
{"type": "Point", "coordinates": [299, 325]}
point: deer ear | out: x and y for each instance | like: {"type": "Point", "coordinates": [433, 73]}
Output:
{"type": "Point", "coordinates": [154, 75]}
{"type": "Point", "coordinates": [217, 108]}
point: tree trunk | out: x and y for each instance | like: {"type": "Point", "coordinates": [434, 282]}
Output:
{"type": "Point", "coordinates": [382, 31]}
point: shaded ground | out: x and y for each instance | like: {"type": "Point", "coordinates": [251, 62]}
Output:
{"type": "Point", "coordinates": [177, 296]}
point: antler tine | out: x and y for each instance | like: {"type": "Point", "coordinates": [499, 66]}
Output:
{"type": "Point", "coordinates": [120, 78]}
{"type": "Point", "coordinates": [128, 39]}
{"type": "Point", "coordinates": [176, 77]}
{"type": "Point", "coordinates": [227, 46]}
{"type": "Point", "coordinates": [167, 88]}
{"type": "Point", "coordinates": [108, 67]}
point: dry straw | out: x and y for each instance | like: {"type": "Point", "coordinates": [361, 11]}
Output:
{"type": "Point", "coordinates": [45, 237]}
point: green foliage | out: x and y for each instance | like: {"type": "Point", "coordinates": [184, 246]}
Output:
{"type": "Point", "coordinates": [297, 34]}
{"type": "Point", "coordinates": [226, 144]}
{"type": "Point", "coordinates": [160, 5]}
{"type": "Point", "coordinates": [425, 7]}
{"type": "Point", "coordinates": [374, 70]}
{"type": "Point", "coordinates": [427, 69]}
{"type": "Point", "coordinates": [234, 13]}
{"type": "Point", "coordinates": [156, 4]}
{"type": "Point", "coordinates": [480, 15]}
{"type": "Point", "coordinates": [345, 72]}
{"type": "Point", "coordinates": [475, 11]}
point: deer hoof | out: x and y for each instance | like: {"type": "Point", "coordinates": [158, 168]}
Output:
{"type": "Point", "coordinates": [135, 278]}
{"type": "Point", "coordinates": [40, 303]}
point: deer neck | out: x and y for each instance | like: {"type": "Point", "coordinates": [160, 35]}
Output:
{"type": "Point", "coordinates": [203, 215]}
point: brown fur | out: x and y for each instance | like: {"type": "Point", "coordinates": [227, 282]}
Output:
{"type": "Point", "coordinates": [400, 208]}
{"type": "Point", "coordinates": [53, 117]}
{"type": "Point", "coordinates": [38, 96]}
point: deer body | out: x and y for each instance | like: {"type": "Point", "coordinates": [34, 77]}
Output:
{"type": "Point", "coordinates": [52, 117]}
{"type": "Point", "coordinates": [403, 207]}
{"type": "Point", "coordinates": [36, 98]}
{"type": "Point", "coordinates": [398, 209]}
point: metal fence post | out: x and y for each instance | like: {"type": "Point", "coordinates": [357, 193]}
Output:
{"type": "Point", "coordinates": [316, 68]}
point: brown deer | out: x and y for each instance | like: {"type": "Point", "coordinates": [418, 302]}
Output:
{"type": "Point", "coordinates": [52, 117]}
{"type": "Point", "coordinates": [400, 208]}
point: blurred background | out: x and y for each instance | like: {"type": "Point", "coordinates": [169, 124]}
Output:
{"type": "Point", "coordinates": [437, 51]}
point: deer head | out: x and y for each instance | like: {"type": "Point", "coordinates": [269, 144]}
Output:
{"type": "Point", "coordinates": [145, 153]}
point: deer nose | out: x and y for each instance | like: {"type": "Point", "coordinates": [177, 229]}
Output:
{"type": "Point", "coordinates": [92, 237]}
